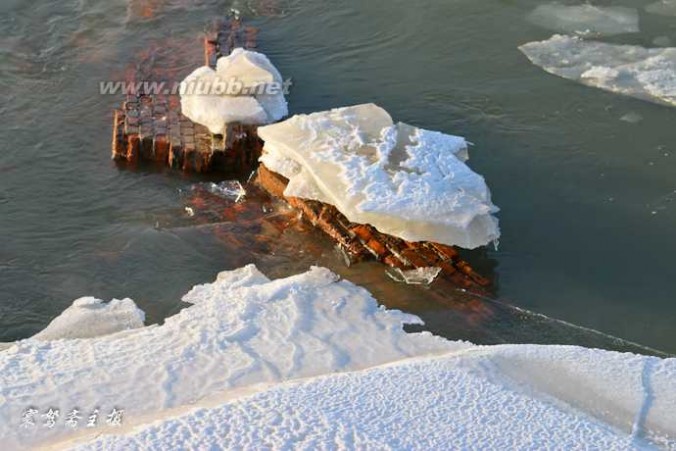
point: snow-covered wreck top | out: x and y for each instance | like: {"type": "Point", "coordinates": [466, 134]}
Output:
{"type": "Point", "coordinates": [403, 180]}
{"type": "Point", "coordinates": [245, 88]}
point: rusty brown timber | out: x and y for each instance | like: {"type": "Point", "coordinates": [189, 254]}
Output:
{"type": "Point", "coordinates": [151, 128]}
{"type": "Point", "coordinates": [361, 241]}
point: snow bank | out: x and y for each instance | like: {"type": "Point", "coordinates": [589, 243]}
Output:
{"type": "Point", "coordinates": [662, 8]}
{"type": "Point", "coordinates": [648, 74]}
{"type": "Point", "coordinates": [586, 19]}
{"type": "Point", "coordinates": [90, 317]}
{"type": "Point", "coordinates": [463, 400]}
{"type": "Point", "coordinates": [312, 362]}
{"type": "Point", "coordinates": [405, 181]}
{"type": "Point", "coordinates": [241, 331]}
{"type": "Point", "coordinates": [245, 88]}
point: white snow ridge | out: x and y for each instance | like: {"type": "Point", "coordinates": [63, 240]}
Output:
{"type": "Point", "coordinates": [312, 362]}
{"type": "Point", "coordinates": [237, 91]}
{"type": "Point", "coordinates": [648, 74]}
{"type": "Point", "coordinates": [403, 180]}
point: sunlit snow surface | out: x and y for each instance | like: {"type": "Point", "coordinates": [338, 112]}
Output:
{"type": "Point", "coordinates": [648, 74]}
{"type": "Point", "coordinates": [586, 19]}
{"type": "Point", "coordinates": [312, 362]}
{"type": "Point", "coordinates": [215, 98]}
{"type": "Point", "coordinates": [405, 181]}
{"type": "Point", "coordinates": [90, 317]}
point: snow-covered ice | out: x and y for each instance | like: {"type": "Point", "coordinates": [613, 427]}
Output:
{"type": "Point", "coordinates": [645, 73]}
{"type": "Point", "coordinates": [403, 180]}
{"type": "Point", "coordinates": [239, 90]}
{"type": "Point", "coordinates": [90, 317]}
{"type": "Point", "coordinates": [662, 7]}
{"type": "Point", "coordinates": [311, 362]}
{"type": "Point", "coordinates": [586, 19]}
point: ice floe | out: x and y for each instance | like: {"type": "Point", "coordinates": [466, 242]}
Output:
{"type": "Point", "coordinates": [645, 73]}
{"type": "Point", "coordinates": [663, 8]}
{"type": "Point", "coordinates": [403, 180]}
{"type": "Point", "coordinates": [245, 88]}
{"type": "Point", "coordinates": [311, 361]}
{"type": "Point", "coordinates": [586, 19]}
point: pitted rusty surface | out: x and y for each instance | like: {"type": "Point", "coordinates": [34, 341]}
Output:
{"type": "Point", "coordinates": [361, 241]}
{"type": "Point", "coordinates": [150, 127]}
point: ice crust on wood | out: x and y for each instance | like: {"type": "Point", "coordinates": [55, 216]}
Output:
{"type": "Point", "coordinates": [403, 180]}
{"type": "Point", "coordinates": [644, 73]}
{"type": "Point", "coordinates": [236, 92]}
{"type": "Point", "coordinates": [586, 19]}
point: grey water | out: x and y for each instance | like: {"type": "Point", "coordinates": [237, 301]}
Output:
{"type": "Point", "coordinates": [588, 200]}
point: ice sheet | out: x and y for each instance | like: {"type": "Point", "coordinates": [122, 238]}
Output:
{"type": "Point", "coordinates": [312, 361]}
{"type": "Point", "coordinates": [403, 180]}
{"type": "Point", "coordinates": [586, 19]}
{"type": "Point", "coordinates": [648, 74]}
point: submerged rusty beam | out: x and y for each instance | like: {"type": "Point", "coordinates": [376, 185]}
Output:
{"type": "Point", "coordinates": [361, 241]}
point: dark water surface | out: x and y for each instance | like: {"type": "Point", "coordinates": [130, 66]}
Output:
{"type": "Point", "coordinates": [588, 201]}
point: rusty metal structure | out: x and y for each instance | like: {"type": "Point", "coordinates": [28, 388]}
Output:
{"type": "Point", "coordinates": [149, 128]}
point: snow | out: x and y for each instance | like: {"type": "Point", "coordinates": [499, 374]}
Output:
{"type": "Point", "coordinates": [586, 19]}
{"type": "Point", "coordinates": [239, 90]}
{"type": "Point", "coordinates": [312, 362]}
{"type": "Point", "coordinates": [403, 180]}
{"type": "Point", "coordinates": [663, 8]}
{"type": "Point", "coordinates": [645, 73]}
{"type": "Point", "coordinates": [90, 317]}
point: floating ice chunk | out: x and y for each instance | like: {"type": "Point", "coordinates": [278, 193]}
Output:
{"type": "Point", "coordinates": [648, 74]}
{"type": "Point", "coordinates": [90, 317]}
{"type": "Point", "coordinates": [417, 276]}
{"type": "Point", "coordinates": [662, 8]}
{"type": "Point", "coordinates": [586, 19]}
{"type": "Point", "coordinates": [246, 88]}
{"type": "Point", "coordinates": [405, 181]}
{"type": "Point", "coordinates": [632, 118]}
{"type": "Point", "coordinates": [232, 189]}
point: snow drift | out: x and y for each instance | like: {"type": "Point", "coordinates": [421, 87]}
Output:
{"type": "Point", "coordinates": [311, 361]}
{"type": "Point", "coordinates": [245, 88]}
{"type": "Point", "coordinates": [90, 317]}
{"type": "Point", "coordinates": [586, 19]}
{"type": "Point", "coordinates": [403, 180]}
{"type": "Point", "coordinates": [648, 74]}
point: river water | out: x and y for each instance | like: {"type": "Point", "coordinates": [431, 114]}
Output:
{"type": "Point", "coordinates": [588, 200]}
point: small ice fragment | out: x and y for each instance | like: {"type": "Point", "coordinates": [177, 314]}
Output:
{"type": "Point", "coordinates": [232, 189]}
{"type": "Point", "coordinates": [632, 118]}
{"type": "Point", "coordinates": [662, 41]}
{"type": "Point", "coordinates": [418, 276]}
{"type": "Point", "coordinates": [586, 19]}
{"type": "Point", "coordinates": [90, 317]}
{"type": "Point", "coordinates": [662, 8]}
